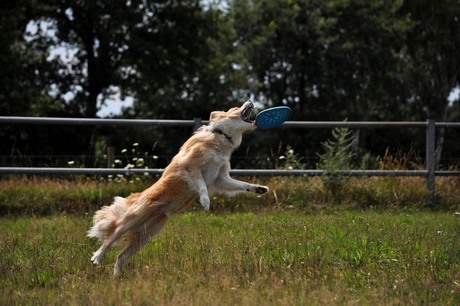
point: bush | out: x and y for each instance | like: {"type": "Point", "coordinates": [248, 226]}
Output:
{"type": "Point", "coordinates": [337, 156]}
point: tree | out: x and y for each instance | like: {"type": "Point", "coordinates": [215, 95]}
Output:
{"type": "Point", "coordinates": [90, 40]}
{"type": "Point", "coordinates": [285, 43]}
{"type": "Point", "coordinates": [21, 92]}
{"type": "Point", "coordinates": [433, 46]}
{"type": "Point", "coordinates": [364, 66]}
{"type": "Point", "coordinates": [338, 58]}
{"type": "Point", "coordinates": [327, 60]}
{"type": "Point", "coordinates": [186, 67]}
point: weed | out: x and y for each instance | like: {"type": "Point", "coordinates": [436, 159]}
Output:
{"type": "Point", "coordinates": [290, 160]}
{"type": "Point", "coordinates": [132, 159]}
{"type": "Point", "coordinates": [337, 156]}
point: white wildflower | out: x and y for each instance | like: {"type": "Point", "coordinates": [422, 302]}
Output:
{"type": "Point", "coordinates": [70, 162]}
{"type": "Point", "coordinates": [124, 151]}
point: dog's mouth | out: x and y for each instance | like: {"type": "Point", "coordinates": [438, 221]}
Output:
{"type": "Point", "coordinates": [246, 112]}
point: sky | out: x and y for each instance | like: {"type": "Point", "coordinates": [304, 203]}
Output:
{"type": "Point", "coordinates": [114, 105]}
{"type": "Point", "coordinates": [454, 95]}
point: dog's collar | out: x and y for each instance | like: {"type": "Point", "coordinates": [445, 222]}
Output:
{"type": "Point", "coordinates": [220, 132]}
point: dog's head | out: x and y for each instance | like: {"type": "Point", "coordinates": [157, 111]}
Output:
{"type": "Point", "coordinates": [236, 118]}
{"type": "Point", "coordinates": [233, 122]}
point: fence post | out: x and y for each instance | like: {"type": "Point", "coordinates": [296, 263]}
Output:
{"type": "Point", "coordinates": [430, 159]}
{"type": "Point", "coordinates": [110, 156]}
{"type": "Point", "coordinates": [197, 123]}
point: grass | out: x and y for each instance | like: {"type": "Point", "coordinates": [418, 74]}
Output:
{"type": "Point", "coordinates": [37, 196]}
{"type": "Point", "coordinates": [243, 258]}
{"type": "Point", "coordinates": [372, 242]}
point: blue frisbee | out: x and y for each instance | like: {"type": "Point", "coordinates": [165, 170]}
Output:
{"type": "Point", "coordinates": [273, 117]}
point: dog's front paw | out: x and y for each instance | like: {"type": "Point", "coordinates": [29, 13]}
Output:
{"type": "Point", "coordinates": [261, 189]}
{"type": "Point", "coordinates": [96, 259]}
{"type": "Point", "coordinates": [205, 202]}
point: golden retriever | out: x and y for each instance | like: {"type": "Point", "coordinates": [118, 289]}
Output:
{"type": "Point", "coordinates": [200, 168]}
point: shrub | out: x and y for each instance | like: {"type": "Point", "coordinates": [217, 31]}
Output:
{"type": "Point", "coordinates": [337, 156]}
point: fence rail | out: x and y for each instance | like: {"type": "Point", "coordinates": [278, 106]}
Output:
{"type": "Point", "coordinates": [195, 121]}
{"type": "Point", "coordinates": [429, 173]}
{"type": "Point", "coordinates": [241, 172]}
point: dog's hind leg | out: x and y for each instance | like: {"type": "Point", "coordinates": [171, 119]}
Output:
{"type": "Point", "coordinates": [152, 228]}
{"type": "Point", "coordinates": [125, 225]}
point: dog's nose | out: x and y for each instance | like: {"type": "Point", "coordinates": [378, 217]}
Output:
{"type": "Point", "coordinates": [248, 103]}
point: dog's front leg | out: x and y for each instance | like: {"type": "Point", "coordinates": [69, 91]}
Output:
{"type": "Point", "coordinates": [198, 183]}
{"type": "Point", "coordinates": [230, 185]}
{"type": "Point", "coordinates": [204, 199]}
{"type": "Point", "coordinates": [227, 184]}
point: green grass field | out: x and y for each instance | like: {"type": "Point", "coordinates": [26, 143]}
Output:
{"type": "Point", "coordinates": [278, 258]}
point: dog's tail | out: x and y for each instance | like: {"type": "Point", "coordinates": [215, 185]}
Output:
{"type": "Point", "coordinates": [105, 220]}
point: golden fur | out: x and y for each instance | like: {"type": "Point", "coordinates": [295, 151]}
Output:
{"type": "Point", "coordinates": [201, 167]}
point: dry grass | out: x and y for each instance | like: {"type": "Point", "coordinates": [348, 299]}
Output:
{"type": "Point", "coordinates": [37, 196]}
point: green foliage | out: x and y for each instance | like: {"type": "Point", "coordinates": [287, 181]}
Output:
{"type": "Point", "coordinates": [285, 158]}
{"type": "Point", "coordinates": [249, 259]}
{"type": "Point", "coordinates": [337, 156]}
{"type": "Point", "coordinates": [291, 160]}
{"type": "Point", "coordinates": [325, 59]}
{"type": "Point", "coordinates": [328, 60]}
{"type": "Point", "coordinates": [434, 72]}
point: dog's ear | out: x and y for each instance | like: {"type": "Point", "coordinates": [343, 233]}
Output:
{"type": "Point", "coordinates": [214, 115]}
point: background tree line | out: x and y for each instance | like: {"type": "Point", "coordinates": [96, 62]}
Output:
{"type": "Point", "coordinates": [180, 59]}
